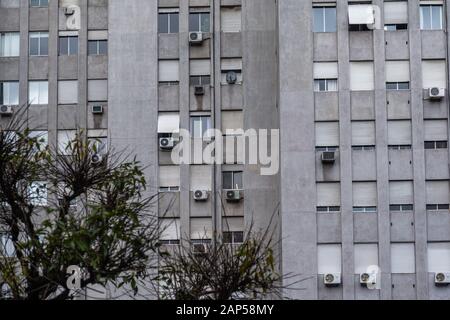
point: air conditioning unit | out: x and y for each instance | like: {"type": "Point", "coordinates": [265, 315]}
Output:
{"type": "Point", "coordinates": [328, 157]}
{"type": "Point", "coordinates": [436, 93]}
{"type": "Point", "coordinates": [231, 77]}
{"type": "Point", "coordinates": [195, 37]}
{"type": "Point", "coordinates": [199, 90]}
{"type": "Point", "coordinates": [96, 159]}
{"type": "Point", "coordinates": [200, 195]}
{"type": "Point", "coordinates": [442, 278]}
{"type": "Point", "coordinates": [97, 109]}
{"type": "Point", "coordinates": [69, 11]}
{"type": "Point", "coordinates": [200, 248]}
{"type": "Point", "coordinates": [166, 143]}
{"type": "Point", "coordinates": [6, 110]}
{"type": "Point", "coordinates": [368, 279]}
{"type": "Point", "coordinates": [332, 279]}
{"type": "Point", "coordinates": [234, 196]}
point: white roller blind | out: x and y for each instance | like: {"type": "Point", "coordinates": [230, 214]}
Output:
{"type": "Point", "coordinates": [170, 229]}
{"type": "Point", "coordinates": [364, 194]}
{"type": "Point", "coordinates": [98, 35]}
{"type": "Point", "coordinates": [328, 194]}
{"type": "Point", "coordinates": [329, 258]}
{"type": "Point", "coordinates": [169, 70]}
{"type": "Point", "coordinates": [98, 90]}
{"type": "Point", "coordinates": [366, 255]}
{"type": "Point", "coordinates": [396, 12]}
{"type": "Point", "coordinates": [437, 192]}
{"type": "Point", "coordinates": [169, 176]}
{"type": "Point", "coordinates": [232, 120]}
{"type": "Point", "coordinates": [201, 228]}
{"type": "Point", "coordinates": [433, 73]}
{"type": "Point", "coordinates": [231, 64]}
{"type": "Point", "coordinates": [363, 133]}
{"type": "Point", "coordinates": [361, 76]}
{"type": "Point", "coordinates": [401, 192]}
{"type": "Point", "coordinates": [327, 134]}
{"type": "Point", "coordinates": [436, 130]}
{"type": "Point", "coordinates": [403, 259]}
{"type": "Point", "coordinates": [397, 71]}
{"type": "Point", "coordinates": [439, 257]}
{"type": "Point", "coordinates": [169, 123]}
{"type": "Point", "coordinates": [67, 92]}
{"type": "Point", "coordinates": [399, 132]}
{"type": "Point", "coordinates": [201, 178]}
{"type": "Point", "coordinates": [325, 70]}
{"type": "Point", "coordinates": [200, 67]}
{"type": "Point", "coordinates": [361, 14]}
{"type": "Point", "coordinates": [235, 224]}
{"type": "Point", "coordinates": [231, 19]}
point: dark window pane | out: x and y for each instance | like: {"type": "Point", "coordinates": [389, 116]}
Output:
{"type": "Point", "coordinates": [322, 209]}
{"type": "Point", "coordinates": [73, 45]}
{"type": "Point", "coordinates": [194, 80]}
{"type": "Point", "coordinates": [408, 207]}
{"type": "Point", "coordinates": [44, 3]}
{"type": "Point", "coordinates": [44, 46]}
{"type": "Point", "coordinates": [318, 19]}
{"type": "Point", "coordinates": [330, 19]}
{"type": "Point", "coordinates": [63, 45]}
{"type": "Point", "coordinates": [174, 23]}
{"type": "Point", "coordinates": [103, 47]}
{"type": "Point", "coordinates": [335, 209]}
{"type": "Point", "coordinates": [205, 22]}
{"type": "Point", "coordinates": [238, 237]}
{"type": "Point", "coordinates": [34, 3]}
{"type": "Point", "coordinates": [238, 180]}
{"type": "Point", "coordinates": [429, 145]}
{"type": "Point", "coordinates": [205, 80]}
{"type": "Point", "coordinates": [394, 207]}
{"type": "Point", "coordinates": [391, 86]}
{"type": "Point", "coordinates": [34, 46]}
{"type": "Point", "coordinates": [443, 206]}
{"type": "Point", "coordinates": [194, 22]}
{"type": "Point", "coordinates": [227, 237]}
{"type": "Point", "coordinates": [92, 47]}
{"type": "Point", "coordinates": [322, 85]}
{"type": "Point", "coordinates": [403, 86]}
{"type": "Point", "coordinates": [431, 207]}
{"type": "Point", "coordinates": [227, 180]}
{"type": "Point", "coordinates": [163, 23]}
{"type": "Point", "coordinates": [441, 144]}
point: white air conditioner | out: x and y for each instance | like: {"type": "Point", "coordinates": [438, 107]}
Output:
{"type": "Point", "coordinates": [96, 159]}
{"type": "Point", "coordinates": [234, 195]}
{"type": "Point", "coordinates": [166, 143]}
{"type": "Point", "coordinates": [442, 278]}
{"type": "Point", "coordinates": [6, 110]}
{"type": "Point", "coordinates": [332, 279]}
{"type": "Point", "coordinates": [328, 157]}
{"type": "Point", "coordinates": [97, 109]}
{"type": "Point", "coordinates": [199, 90]}
{"type": "Point", "coordinates": [368, 278]}
{"type": "Point", "coordinates": [201, 195]}
{"type": "Point", "coordinates": [436, 93]}
{"type": "Point", "coordinates": [196, 37]}
{"type": "Point", "coordinates": [69, 11]}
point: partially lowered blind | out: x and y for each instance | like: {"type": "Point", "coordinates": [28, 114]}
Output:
{"type": "Point", "coordinates": [200, 67]}
{"type": "Point", "coordinates": [365, 194]}
{"type": "Point", "coordinates": [433, 73]}
{"type": "Point", "coordinates": [327, 134]}
{"type": "Point", "coordinates": [436, 130]}
{"type": "Point", "coordinates": [397, 71]}
{"type": "Point", "coordinates": [329, 258]}
{"type": "Point", "coordinates": [399, 132]}
{"type": "Point", "coordinates": [363, 133]}
{"type": "Point", "coordinates": [396, 12]}
{"type": "Point", "coordinates": [231, 18]}
{"type": "Point", "coordinates": [328, 194]}
{"type": "Point", "coordinates": [361, 76]}
{"type": "Point", "coordinates": [401, 192]}
{"type": "Point", "coordinates": [437, 192]}
{"type": "Point", "coordinates": [325, 70]}
{"type": "Point", "coordinates": [169, 176]}
{"type": "Point", "coordinates": [170, 229]}
{"type": "Point", "coordinates": [231, 64]}
{"type": "Point", "coordinates": [201, 228]}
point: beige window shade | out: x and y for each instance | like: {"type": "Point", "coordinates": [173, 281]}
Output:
{"type": "Point", "coordinates": [231, 64]}
{"type": "Point", "coordinates": [365, 194]}
{"type": "Point", "coordinates": [439, 257]}
{"type": "Point", "coordinates": [201, 228]}
{"type": "Point", "coordinates": [399, 132]}
{"type": "Point", "coordinates": [169, 70]}
{"type": "Point", "coordinates": [363, 133]}
{"type": "Point", "coordinates": [366, 255]}
{"type": "Point", "coordinates": [396, 12]}
{"type": "Point", "coordinates": [403, 258]}
{"type": "Point", "coordinates": [67, 92]}
{"type": "Point", "coordinates": [169, 123]}
{"type": "Point", "coordinates": [233, 224]}
{"type": "Point", "coordinates": [329, 258]}
{"type": "Point", "coordinates": [361, 76]}
{"type": "Point", "coordinates": [98, 90]}
{"type": "Point", "coordinates": [397, 71]}
{"type": "Point", "coordinates": [325, 70]}
{"type": "Point", "coordinates": [328, 194]}
{"type": "Point", "coordinates": [437, 192]}
{"type": "Point", "coordinates": [434, 74]}
{"type": "Point", "coordinates": [98, 35]}
{"type": "Point", "coordinates": [436, 130]}
{"type": "Point", "coordinates": [201, 178]}
{"type": "Point", "coordinates": [232, 120]}
{"type": "Point", "coordinates": [169, 176]}
{"type": "Point", "coordinates": [231, 19]}
{"type": "Point", "coordinates": [200, 67]}
{"type": "Point", "coordinates": [170, 229]}
{"type": "Point", "coordinates": [327, 134]}
{"type": "Point", "coordinates": [401, 192]}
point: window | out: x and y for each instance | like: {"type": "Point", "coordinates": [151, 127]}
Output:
{"type": "Point", "coordinates": [38, 92]}
{"type": "Point", "coordinates": [439, 257]}
{"type": "Point", "coordinates": [401, 207]}
{"type": "Point", "coordinates": [325, 149]}
{"type": "Point", "coordinates": [395, 15]}
{"type": "Point", "coordinates": [233, 237]}
{"type": "Point", "coordinates": [366, 255]}
{"type": "Point", "coordinates": [9, 93]}
{"type": "Point", "coordinates": [38, 3]}
{"type": "Point", "coordinates": [361, 76]}
{"type": "Point", "coordinates": [39, 44]}
{"type": "Point", "coordinates": [97, 47]}
{"type": "Point", "coordinates": [431, 17]}
{"type": "Point", "coordinates": [6, 245]}
{"type": "Point", "coordinates": [168, 124]}
{"type": "Point", "coordinates": [67, 92]}
{"type": "Point", "coordinates": [168, 72]}
{"type": "Point", "coordinates": [397, 75]}
{"type": "Point", "coordinates": [324, 19]}
{"type": "Point", "coordinates": [363, 133]}
{"type": "Point", "coordinates": [68, 46]}
{"type": "Point", "coordinates": [434, 145]}
{"type": "Point", "coordinates": [328, 197]}
{"type": "Point", "coordinates": [399, 147]}
{"type": "Point", "coordinates": [169, 178]}
{"type": "Point", "coordinates": [168, 22]}
{"type": "Point", "coordinates": [65, 141]}
{"type": "Point", "coordinates": [323, 85]}
{"type": "Point", "coordinates": [325, 76]}
{"type": "Point", "coordinates": [170, 231]}
{"type": "Point", "coordinates": [200, 80]}
{"type": "Point", "coordinates": [97, 90]}
{"type": "Point", "coordinates": [328, 209]}
{"type": "Point", "coordinates": [395, 27]}
{"type": "Point", "coordinates": [399, 133]}
{"type": "Point", "coordinates": [363, 148]}
{"type": "Point", "coordinates": [327, 134]}
{"type": "Point", "coordinates": [434, 74]}
{"type": "Point", "coordinates": [438, 207]}
{"type": "Point", "coordinates": [401, 195]}
{"type": "Point", "coordinates": [201, 230]}
{"type": "Point", "coordinates": [231, 19]}
{"type": "Point", "coordinates": [397, 85]}
{"type": "Point", "coordinates": [200, 125]}
{"type": "Point", "coordinates": [364, 209]}
{"type": "Point", "coordinates": [10, 44]}
{"type": "Point", "coordinates": [437, 195]}
{"type": "Point", "coordinates": [199, 22]}
{"type": "Point", "coordinates": [232, 180]}
{"type": "Point", "coordinates": [403, 258]}
{"type": "Point", "coordinates": [98, 141]}
{"type": "Point", "coordinates": [329, 258]}
{"type": "Point", "coordinates": [41, 139]}
{"type": "Point", "coordinates": [364, 197]}
{"type": "Point", "coordinates": [37, 193]}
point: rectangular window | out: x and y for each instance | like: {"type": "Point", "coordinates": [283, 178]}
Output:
{"type": "Point", "coordinates": [396, 15]}
{"type": "Point", "coordinates": [439, 257]}
{"type": "Point", "coordinates": [9, 93]}
{"type": "Point", "coordinates": [169, 177]}
{"type": "Point", "coordinates": [168, 22]}
{"type": "Point", "coordinates": [435, 145]}
{"type": "Point", "coordinates": [38, 92]}
{"type": "Point", "coordinates": [231, 19]}
{"type": "Point", "coordinates": [397, 85]}
{"type": "Point", "coordinates": [199, 22]}
{"type": "Point", "coordinates": [199, 126]}
{"type": "Point", "coordinates": [327, 134]}
{"type": "Point", "coordinates": [399, 133]}
{"type": "Point", "coordinates": [232, 180]}
{"type": "Point", "coordinates": [324, 19]}
{"type": "Point", "coordinates": [68, 46]}
{"type": "Point", "coordinates": [170, 231]}
{"type": "Point", "coordinates": [6, 245]}
{"type": "Point", "coordinates": [200, 80]}
{"type": "Point", "coordinates": [37, 194]}
{"type": "Point", "coordinates": [38, 3]}
{"type": "Point", "coordinates": [403, 258]}
{"type": "Point", "coordinates": [365, 196]}
{"type": "Point", "coordinates": [363, 133]}
{"type": "Point", "coordinates": [329, 258]}
{"type": "Point", "coordinates": [395, 27]}
{"type": "Point", "coordinates": [325, 85]}
{"type": "Point", "coordinates": [434, 73]}
{"type": "Point", "coordinates": [97, 47]}
{"type": "Point", "coordinates": [437, 194]}
{"type": "Point", "coordinates": [67, 92]}
{"type": "Point", "coordinates": [431, 17]}
{"type": "Point", "coordinates": [38, 44]}
{"type": "Point", "coordinates": [10, 44]}
{"type": "Point", "coordinates": [361, 76]}
{"type": "Point", "coordinates": [328, 197]}
{"type": "Point", "coordinates": [366, 255]}
{"type": "Point", "coordinates": [233, 237]}
{"type": "Point", "coordinates": [168, 71]}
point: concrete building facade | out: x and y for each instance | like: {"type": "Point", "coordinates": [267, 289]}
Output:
{"type": "Point", "coordinates": [346, 79]}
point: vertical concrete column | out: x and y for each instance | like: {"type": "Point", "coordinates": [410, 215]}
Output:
{"type": "Point", "coordinates": [296, 109]}
{"type": "Point", "coordinates": [184, 115]}
{"type": "Point", "coordinates": [418, 149]}
{"type": "Point", "coordinates": [345, 151]}
{"type": "Point", "coordinates": [384, 241]}
{"type": "Point", "coordinates": [53, 17]}
{"type": "Point", "coordinates": [23, 59]}
{"type": "Point", "coordinates": [82, 65]}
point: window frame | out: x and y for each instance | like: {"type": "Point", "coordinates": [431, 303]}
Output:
{"type": "Point", "coordinates": [39, 35]}
{"type": "Point", "coordinates": [326, 83]}
{"type": "Point", "coordinates": [198, 26]}
{"type": "Point", "coordinates": [204, 131]}
{"type": "Point", "coordinates": [233, 180]}
{"type": "Point", "coordinates": [441, 16]}
{"type": "Point", "coordinates": [69, 45]}
{"type": "Point", "coordinates": [169, 20]}
{"type": "Point", "coordinates": [325, 25]}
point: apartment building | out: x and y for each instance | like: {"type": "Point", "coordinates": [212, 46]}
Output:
{"type": "Point", "coordinates": [358, 90]}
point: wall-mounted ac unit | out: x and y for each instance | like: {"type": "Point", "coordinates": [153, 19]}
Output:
{"type": "Point", "coordinates": [166, 143]}
{"type": "Point", "coordinates": [231, 77]}
{"type": "Point", "coordinates": [96, 159]}
{"type": "Point", "coordinates": [436, 93]}
{"type": "Point", "coordinates": [97, 109]}
{"type": "Point", "coordinates": [328, 157]}
{"type": "Point", "coordinates": [234, 195]}
{"type": "Point", "coordinates": [196, 37]}
{"type": "Point", "coordinates": [332, 279]}
{"type": "Point", "coordinates": [6, 110]}
{"type": "Point", "coordinates": [200, 248]}
{"type": "Point", "coordinates": [442, 278]}
{"type": "Point", "coordinates": [199, 90]}
{"type": "Point", "coordinates": [368, 279]}
{"type": "Point", "coordinates": [200, 195]}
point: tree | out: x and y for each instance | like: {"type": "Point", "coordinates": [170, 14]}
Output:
{"type": "Point", "coordinates": [84, 208]}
